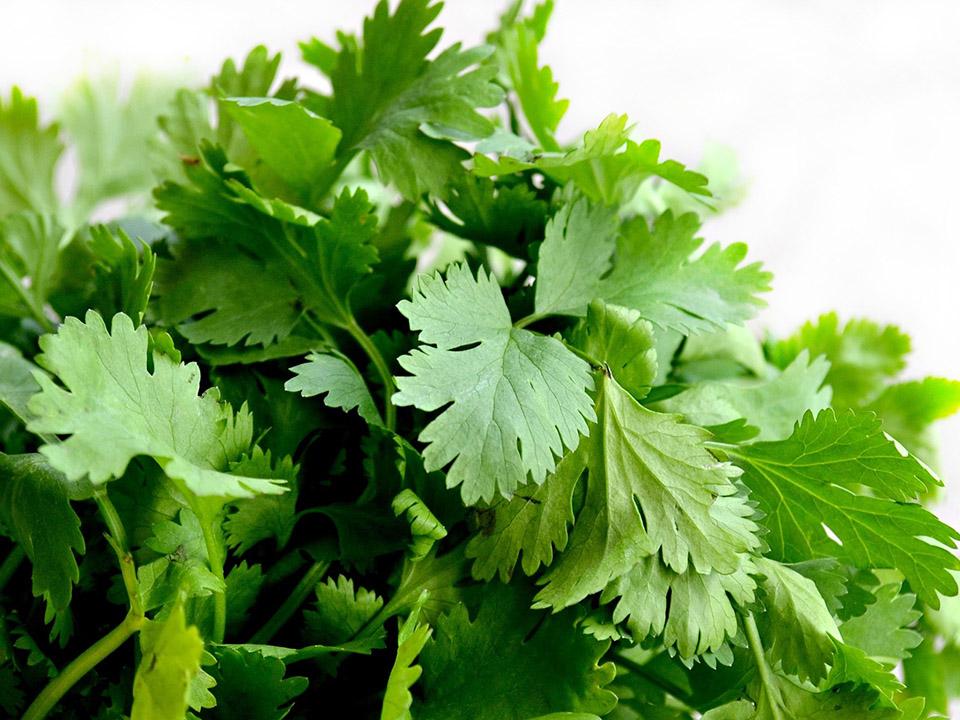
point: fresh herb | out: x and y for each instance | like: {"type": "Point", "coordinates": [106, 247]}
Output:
{"type": "Point", "coordinates": [387, 403]}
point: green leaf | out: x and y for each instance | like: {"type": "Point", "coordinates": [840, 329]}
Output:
{"type": "Point", "coordinates": [651, 486]}
{"type": "Point", "coordinates": [908, 409]}
{"type": "Point", "coordinates": [297, 144]}
{"type": "Point", "coordinates": [528, 526]}
{"type": "Point", "coordinates": [576, 251]}
{"type": "Point", "coordinates": [852, 665]}
{"type": "Point", "coordinates": [774, 405]}
{"type": "Point", "coordinates": [234, 297]}
{"type": "Point", "coordinates": [883, 632]}
{"type": "Point", "coordinates": [695, 613]}
{"type": "Point", "coordinates": [623, 341]}
{"type": "Point", "coordinates": [597, 169]}
{"type": "Point", "coordinates": [386, 92]}
{"type": "Point", "coordinates": [265, 516]}
{"type": "Point", "coordinates": [808, 483]}
{"type": "Point", "coordinates": [863, 355]}
{"type": "Point", "coordinates": [334, 375]}
{"type": "Point", "coordinates": [124, 273]}
{"type": "Point", "coordinates": [518, 398]}
{"type": "Point", "coordinates": [244, 583]}
{"type": "Point", "coordinates": [342, 614]}
{"type": "Point", "coordinates": [797, 628]}
{"type": "Point", "coordinates": [115, 408]}
{"type": "Point", "coordinates": [534, 85]}
{"type": "Point", "coordinates": [254, 682]}
{"type": "Point", "coordinates": [28, 157]}
{"type": "Point", "coordinates": [486, 668]}
{"type": "Point", "coordinates": [35, 510]}
{"type": "Point", "coordinates": [29, 262]}
{"type": "Point", "coordinates": [424, 526]}
{"type": "Point", "coordinates": [17, 383]}
{"type": "Point", "coordinates": [654, 273]}
{"type": "Point", "coordinates": [171, 654]}
{"type": "Point", "coordinates": [397, 699]}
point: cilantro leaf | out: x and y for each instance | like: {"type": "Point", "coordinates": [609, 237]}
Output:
{"type": "Point", "coordinates": [883, 630]}
{"type": "Point", "coordinates": [36, 511]}
{"type": "Point", "coordinates": [342, 613]}
{"type": "Point", "coordinates": [114, 409]}
{"type": "Point", "coordinates": [597, 169]}
{"type": "Point", "coordinates": [806, 483]}
{"type": "Point", "coordinates": [653, 272]}
{"type": "Point", "coordinates": [28, 157]}
{"type": "Point", "coordinates": [772, 405]}
{"type": "Point", "coordinates": [29, 263]}
{"type": "Point", "coordinates": [17, 383]}
{"type": "Point", "coordinates": [908, 409]}
{"type": "Point", "coordinates": [651, 487]}
{"type": "Point", "coordinates": [386, 92]}
{"type": "Point", "coordinates": [124, 273]}
{"type": "Point", "coordinates": [254, 682]}
{"type": "Point", "coordinates": [487, 667]}
{"type": "Point", "coordinates": [576, 251]}
{"type": "Point", "coordinates": [397, 699]}
{"type": "Point", "coordinates": [334, 375]}
{"type": "Point", "coordinates": [265, 516]}
{"type": "Point", "coordinates": [171, 658]}
{"type": "Point", "coordinates": [695, 613]}
{"type": "Point", "coordinates": [863, 355]}
{"type": "Point", "coordinates": [518, 398]}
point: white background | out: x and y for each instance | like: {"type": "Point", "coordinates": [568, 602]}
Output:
{"type": "Point", "coordinates": [845, 117]}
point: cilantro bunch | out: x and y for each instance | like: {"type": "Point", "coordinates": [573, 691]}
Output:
{"type": "Point", "coordinates": [373, 398]}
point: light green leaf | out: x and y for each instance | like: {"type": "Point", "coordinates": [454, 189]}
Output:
{"type": "Point", "coordinates": [334, 375]}
{"type": "Point", "coordinates": [883, 632]}
{"type": "Point", "coordinates": [115, 408]}
{"type": "Point", "coordinates": [265, 516]}
{"type": "Point", "coordinates": [124, 272]}
{"type": "Point", "coordinates": [908, 409]}
{"type": "Point", "coordinates": [623, 341]}
{"type": "Point", "coordinates": [29, 262]}
{"type": "Point", "coordinates": [651, 486]}
{"type": "Point", "coordinates": [773, 405]}
{"type": "Point", "coordinates": [518, 398]}
{"type": "Point", "coordinates": [424, 526]}
{"type": "Point", "coordinates": [694, 612]}
{"type": "Point", "coordinates": [808, 482]}
{"type": "Point", "coordinates": [397, 699]}
{"type": "Point", "coordinates": [297, 144]}
{"type": "Point", "coordinates": [655, 274]}
{"type": "Point", "coordinates": [28, 157]}
{"type": "Point", "coordinates": [863, 355]}
{"type": "Point", "coordinates": [170, 660]}
{"type": "Point", "coordinates": [17, 383]}
{"type": "Point", "coordinates": [576, 250]}
{"type": "Point", "coordinates": [797, 628]}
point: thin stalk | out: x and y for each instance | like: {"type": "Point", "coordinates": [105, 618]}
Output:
{"type": "Point", "coordinates": [766, 677]}
{"type": "Point", "coordinates": [529, 320]}
{"type": "Point", "coordinates": [81, 665]}
{"type": "Point", "coordinates": [383, 370]}
{"type": "Point", "coordinates": [10, 565]}
{"type": "Point", "coordinates": [300, 593]}
{"type": "Point", "coordinates": [659, 682]}
{"type": "Point", "coordinates": [216, 560]}
{"type": "Point", "coordinates": [121, 546]}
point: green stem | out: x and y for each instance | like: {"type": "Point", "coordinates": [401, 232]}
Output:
{"type": "Point", "coordinates": [383, 370]}
{"type": "Point", "coordinates": [667, 687]}
{"type": "Point", "coordinates": [121, 546]}
{"type": "Point", "coordinates": [216, 560]}
{"type": "Point", "coordinates": [766, 676]}
{"type": "Point", "coordinates": [529, 319]}
{"type": "Point", "coordinates": [84, 663]}
{"type": "Point", "coordinates": [10, 565]}
{"type": "Point", "coordinates": [300, 593]}
{"type": "Point", "coordinates": [35, 310]}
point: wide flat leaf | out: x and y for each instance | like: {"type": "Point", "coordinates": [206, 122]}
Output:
{"type": "Point", "coordinates": [772, 405]}
{"type": "Point", "coordinates": [652, 487]}
{"type": "Point", "coordinates": [115, 408]}
{"type": "Point", "coordinates": [808, 484]}
{"type": "Point", "coordinates": [334, 376]}
{"type": "Point", "coordinates": [883, 630]}
{"type": "Point", "coordinates": [518, 398]}
{"type": "Point", "coordinates": [908, 409]}
{"type": "Point", "coordinates": [576, 251]}
{"type": "Point", "coordinates": [654, 273]}
{"type": "Point", "coordinates": [254, 682]}
{"type": "Point", "coordinates": [17, 384]}
{"type": "Point", "coordinates": [509, 663]}
{"type": "Point", "coordinates": [35, 510]}
{"type": "Point", "coordinates": [170, 659]}
{"type": "Point", "coordinates": [28, 157]}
